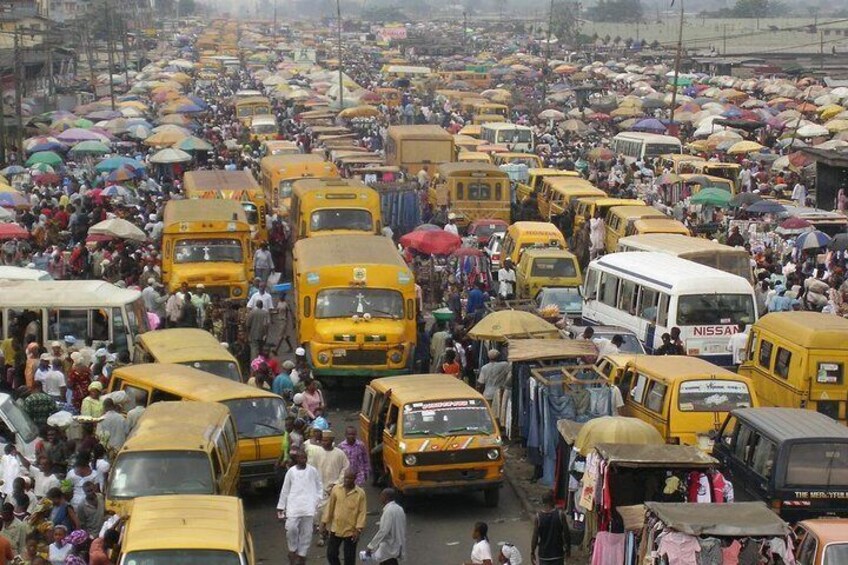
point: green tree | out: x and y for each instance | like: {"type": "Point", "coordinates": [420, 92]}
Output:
{"type": "Point", "coordinates": [566, 22]}
{"type": "Point", "coordinates": [751, 8]}
{"type": "Point", "coordinates": [617, 11]}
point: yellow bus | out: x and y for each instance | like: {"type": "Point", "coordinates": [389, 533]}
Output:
{"type": "Point", "coordinates": [355, 304]}
{"type": "Point", "coordinates": [558, 191]}
{"type": "Point", "coordinates": [239, 186]}
{"type": "Point", "coordinates": [798, 360]}
{"type": "Point", "coordinates": [714, 169]}
{"type": "Point", "coordinates": [207, 243]}
{"type": "Point", "coordinates": [322, 207]}
{"type": "Point", "coordinates": [535, 176]}
{"type": "Point", "coordinates": [587, 206]}
{"type": "Point", "coordinates": [472, 191]}
{"type": "Point", "coordinates": [250, 106]}
{"type": "Point", "coordinates": [473, 157]}
{"type": "Point", "coordinates": [191, 347]}
{"type": "Point", "coordinates": [532, 161]}
{"type": "Point", "coordinates": [620, 218]}
{"type": "Point", "coordinates": [279, 172]}
{"type": "Point", "coordinates": [413, 148]}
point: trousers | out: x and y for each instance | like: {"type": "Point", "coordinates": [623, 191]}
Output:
{"type": "Point", "coordinates": [348, 547]}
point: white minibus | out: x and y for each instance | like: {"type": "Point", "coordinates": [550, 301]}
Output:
{"type": "Point", "coordinates": [651, 293]}
{"type": "Point", "coordinates": [514, 137]}
{"type": "Point", "coordinates": [636, 146]}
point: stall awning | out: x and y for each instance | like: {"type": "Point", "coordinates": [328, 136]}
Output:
{"type": "Point", "coordinates": [548, 349]}
{"type": "Point", "coordinates": [664, 456]}
{"type": "Point", "coordinates": [749, 519]}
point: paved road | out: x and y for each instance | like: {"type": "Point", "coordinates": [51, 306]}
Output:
{"type": "Point", "coordinates": [439, 528]}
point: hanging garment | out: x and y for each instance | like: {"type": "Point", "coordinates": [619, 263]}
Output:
{"type": "Point", "coordinates": [608, 549]}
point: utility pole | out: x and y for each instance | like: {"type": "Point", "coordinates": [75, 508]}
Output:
{"type": "Point", "coordinates": [110, 51]}
{"type": "Point", "coordinates": [275, 25]}
{"type": "Point", "coordinates": [724, 40]}
{"type": "Point", "coordinates": [89, 55]}
{"type": "Point", "coordinates": [339, 38]}
{"type": "Point", "coordinates": [821, 50]}
{"type": "Point", "coordinates": [124, 48]}
{"type": "Point", "coordinates": [546, 68]}
{"type": "Point", "coordinates": [19, 72]}
{"type": "Point", "coordinates": [677, 57]}
{"type": "Point", "coordinates": [464, 27]}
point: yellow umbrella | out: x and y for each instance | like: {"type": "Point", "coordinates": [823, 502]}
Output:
{"type": "Point", "coordinates": [835, 126]}
{"type": "Point", "coordinates": [615, 429]}
{"type": "Point", "coordinates": [626, 112]}
{"type": "Point", "coordinates": [830, 111]}
{"type": "Point", "coordinates": [743, 147]}
{"type": "Point", "coordinates": [565, 70]}
{"type": "Point", "coordinates": [165, 138]}
{"type": "Point", "coordinates": [133, 104]}
{"type": "Point", "coordinates": [359, 112]}
{"type": "Point", "coordinates": [499, 326]}
{"type": "Point", "coordinates": [702, 145]}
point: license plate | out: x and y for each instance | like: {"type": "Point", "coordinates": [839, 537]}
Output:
{"type": "Point", "coordinates": [339, 352]}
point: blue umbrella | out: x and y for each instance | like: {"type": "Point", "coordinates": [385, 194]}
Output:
{"type": "Point", "coordinates": [765, 207]}
{"type": "Point", "coordinates": [649, 125]}
{"type": "Point", "coordinates": [113, 163]}
{"type": "Point", "coordinates": [12, 170]}
{"type": "Point", "coordinates": [812, 240]}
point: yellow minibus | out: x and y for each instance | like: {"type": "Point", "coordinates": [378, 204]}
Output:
{"type": "Point", "coordinates": [472, 191]}
{"type": "Point", "coordinates": [523, 235]}
{"type": "Point", "coordinates": [279, 172]}
{"type": "Point", "coordinates": [239, 186]}
{"type": "Point", "coordinates": [321, 207]}
{"type": "Point", "coordinates": [191, 347]}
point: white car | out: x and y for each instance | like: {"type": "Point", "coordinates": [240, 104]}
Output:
{"type": "Point", "coordinates": [493, 250]}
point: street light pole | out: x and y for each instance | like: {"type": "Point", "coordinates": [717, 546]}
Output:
{"type": "Point", "coordinates": [677, 57]}
{"type": "Point", "coordinates": [546, 68]}
{"type": "Point", "coordinates": [339, 38]}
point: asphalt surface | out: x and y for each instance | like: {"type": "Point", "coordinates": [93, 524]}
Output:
{"type": "Point", "coordinates": [438, 527]}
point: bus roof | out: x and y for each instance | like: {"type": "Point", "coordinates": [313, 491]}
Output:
{"type": "Point", "coordinates": [675, 244]}
{"type": "Point", "coordinates": [181, 345]}
{"type": "Point", "coordinates": [177, 379]}
{"type": "Point", "coordinates": [523, 227]}
{"type": "Point", "coordinates": [177, 211]}
{"type": "Point", "coordinates": [311, 183]}
{"type": "Point", "coordinates": [320, 252]}
{"type": "Point", "coordinates": [248, 100]}
{"type": "Point", "coordinates": [570, 181]}
{"type": "Point", "coordinates": [813, 330]}
{"type": "Point", "coordinates": [641, 136]}
{"type": "Point", "coordinates": [184, 521]}
{"type": "Point", "coordinates": [680, 367]}
{"type": "Point", "coordinates": [426, 387]}
{"type": "Point", "coordinates": [549, 172]}
{"type": "Point", "coordinates": [679, 275]}
{"type": "Point", "coordinates": [419, 132]}
{"type": "Point", "coordinates": [64, 294]}
{"type": "Point", "coordinates": [448, 169]}
{"type": "Point", "coordinates": [171, 426]}
{"type": "Point", "coordinates": [546, 252]}
{"type": "Point", "coordinates": [793, 423]}
{"type": "Point", "coordinates": [263, 119]}
{"type": "Point", "coordinates": [205, 181]}
{"type": "Point", "coordinates": [636, 211]}
{"type": "Point", "coordinates": [504, 125]}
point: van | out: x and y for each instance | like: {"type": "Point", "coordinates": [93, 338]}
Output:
{"type": "Point", "coordinates": [535, 176]}
{"type": "Point", "coordinates": [17, 427]}
{"type": "Point", "coordinates": [175, 448]}
{"type": "Point", "coordinates": [558, 192]}
{"type": "Point", "coordinates": [546, 267]}
{"type": "Point", "coordinates": [798, 360]}
{"type": "Point", "coordinates": [258, 413]}
{"type": "Point", "coordinates": [11, 273]}
{"type": "Point", "coordinates": [586, 207]}
{"type": "Point", "coordinates": [522, 235]}
{"type": "Point", "coordinates": [191, 347]}
{"type": "Point", "coordinates": [435, 435]}
{"type": "Point", "coordinates": [620, 218]}
{"type": "Point", "coordinates": [643, 226]}
{"type": "Point", "coordinates": [823, 541]}
{"type": "Point", "coordinates": [186, 528]}
{"type": "Point", "coordinates": [263, 127]}
{"type": "Point", "coordinates": [685, 398]}
{"type": "Point", "coordinates": [796, 461]}
{"type": "Point", "coordinates": [612, 366]}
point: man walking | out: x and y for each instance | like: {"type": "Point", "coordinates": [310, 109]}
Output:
{"type": "Point", "coordinates": [357, 455]}
{"type": "Point", "coordinates": [263, 263]}
{"type": "Point", "coordinates": [388, 544]}
{"type": "Point", "coordinates": [344, 517]}
{"type": "Point", "coordinates": [298, 504]}
{"type": "Point", "coordinates": [257, 323]}
{"type": "Point", "coordinates": [551, 542]}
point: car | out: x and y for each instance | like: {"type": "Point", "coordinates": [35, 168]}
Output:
{"type": "Point", "coordinates": [631, 342]}
{"type": "Point", "coordinates": [567, 299]}
{"type": "Point", "coordinates": [484, 228]}
{"type": "Point", "coordinates": [493, 250]}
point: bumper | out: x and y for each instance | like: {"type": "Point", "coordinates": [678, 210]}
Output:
{"type": "Point", "coordinates": [358, 372]}
{"type": "Point", "coordinates": [451, 487]}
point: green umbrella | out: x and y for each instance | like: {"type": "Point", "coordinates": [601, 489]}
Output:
{"type": "Point", "coordinates": [46, 157]}
{"type": "Point", "coordinates": [194, 144]}
{"type": "Point", "coordinates": [712, 197]}
{"type": "Point", "coordinates": [83, 123]}
{"type": "Point", "coordinates": [90, 147]}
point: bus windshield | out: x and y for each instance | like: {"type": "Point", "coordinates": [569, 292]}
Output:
{"type": "Point", "coordinates": [149, 473]}
{"type": "Point", "coordinates": [182, 557]}
{"type": "Point", "coordinates": [346, 302]}
{"type": "Point", "coordinates": [226, 369]}
{"type": "Point", "coordinates": [447, 418]}
{"type": "Point", "coordinates": [341, 219]}
{"type": "Point", "coordinates": [264, 128]}
{"type": "Point", "coordinates": [818, 464]}
{"type": "Point", "coordinates": [515, 136]}
{"type": "Point", "coordinates": [207, 250]}
{"type": "Point", "coordinates": [715, 309]}
{"type": "Point", "coordinates": [553, 267]}
{"type": "Point", "coordinates": [657, 149]}
{"type": "Point", "coordinates": [257, 417]}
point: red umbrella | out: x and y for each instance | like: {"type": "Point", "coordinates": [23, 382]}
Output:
{"type": "Point", "coordinates": [467, 252]}
{"type": "Point", "coordinates": [432, 242]}
{"type": "Point", "coordinates": [13, 231]}
{"type": "Point", "coordinates": [48, 178]}
{"type": "Point", "coordinates": [795, 223]}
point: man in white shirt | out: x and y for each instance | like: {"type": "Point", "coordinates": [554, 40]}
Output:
{"type": "Point", "coordinates": [298, 504]}
{"type": "Point", "coordinates": [450, 227]}
{"type": "Point", "coordinates": [737, 343]}
{"type": "Point", "coordinates": [608, 346]}
{"type": "Point", "coordinates": [389, 543]}
{"type": "Point", "coordinates": [799, 194]}
{"type": "Point", "coordinates": [54, 381]}
{"type": "Point", "coordinates": [262, 295]}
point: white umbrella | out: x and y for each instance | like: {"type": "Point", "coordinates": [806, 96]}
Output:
{"type": "Point", "coordinates": [170, 155]}
{"type": "Point", "coordinates": [6, 215]}
{"type": "Point", "coordinates": [119, 228]}
{"type": "Point", "coordinates": [813, 130]}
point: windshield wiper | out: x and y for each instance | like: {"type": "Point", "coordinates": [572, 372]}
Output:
{"type": "Point", "coordinates": [423, 433]}
{"type": "Point", "coordinates": [275, 428]}
{"type": "Point", "coordinates": [393, 316]}
{"type": "Point", "coordinates": [471, 429]}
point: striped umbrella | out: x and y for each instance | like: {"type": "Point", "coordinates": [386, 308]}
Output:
{"type": "Point", "coordinates": [812, 240]}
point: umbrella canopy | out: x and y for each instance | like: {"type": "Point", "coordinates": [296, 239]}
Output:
{"type": "Point", "coordinates": [90, 147]}
{"type": "Point", "coordinates": [360, 112]}
{"type": "Point", "coordinates": [813, 130]}
{"type": "Point", "coordinates": [193, 144]}
{"type": "Point", "coordinates": [649, 125]}
{"type": "Point", "coordinates": [431, 242]}
{"type": "Point", "coordinates": [765, 207]}
{"type": "Point", "coordinates": [13, 231]}
{"type": "Point", "coordinates": [13, 200]}
{"type": "Point", "coordinates": [795, 223]}
{"type": "Point", "coordinates": [615, 429]}
{"type": "Point", "coordinates": [75, 135]}
{"type": "Point", "coordinates": [44, 157]}
{"type": "Point", "coordinates": [839, 242]}
{"type": "Point", "coordinates": [13, 170]}
{"type": "Point", "coordinates": [113, 163]}
{"type": "Point", "coordinates": [742, 147]}
{"type": "Point", "coordinates": [165, 138]}
{"type": "Point", "coordinates": [712, 197]}
{"type": "Point", "coordinates": [812, 240]}
{"type": "Point", "coordinates": [118, 228]}
{"type": "Point", "coordinates": [169, 156]}
{"type": "Point", "coordinates": [511, 323]}
{"type": "Point", "coordinates": [124, 173]}
{"type": "Point", "coordinates": [551, 114]}
{"type": "Point", "coordinates": [745, 198]}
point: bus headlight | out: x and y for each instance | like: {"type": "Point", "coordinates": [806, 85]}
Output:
{"type": "Point", "coordinates": [410, 460]}
{"type": "Point", "coordinates": [396, 356]}
{"type": "Point", "coordinates": [237, 291]}
{"type": "Point", "coordinates": [493, 454]}
{"type": "Point", "coordinates": [323, 357]}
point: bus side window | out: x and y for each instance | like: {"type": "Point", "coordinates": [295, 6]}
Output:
{"type": "Point", "coordinates": [626, 382]}
{"type": "Point", "coordinates": [498, 192]}
{"type": "Point", "coordinates": [638, 392]}
{"type": "Point", "coordinates": [590, 287]}
{"type": "Point", "coordinates": [752, 344]}
{"type": "Point", "coordinates": [744, 440]}
{"type": "Point", "coordinates": [662, 310]}
{"type": "Point", "coordinates": [162, 396]}
{"type": "Point", "coordinates": [764, 359]}
{"type": "Point", "coordinates": [609, 289]}
{"type": "Point", "coordinates": [460, 191]}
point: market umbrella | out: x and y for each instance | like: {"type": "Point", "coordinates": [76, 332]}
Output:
{"type": "Point", "coordinates": [744, 199]}
{"type": "Point", "coordinates": [169, 156]}
{"type": "Point", "coordinates": [193, 144]}
{"type": "Point", "coordinates": [42, 168]}
{"type": "Point", "coordinates": [124, 173]}
{"type": "Point", "coordinates": [43, 143]}
{"type": "Point", "coordinates": [667, 179]}
{"type": "Point", "coordinates": [711, 197]}
{"type": "Point", "coordinates": [839, 242]}
{"type": "Point", "coordinates": [13, 200]}
{"type": "Point", "coordinates": [795, 223]}
{"type": "Point", "coordinates": [360, 112]}
{"type": "Point", "coordinates": [601, 154]}
{"type": "Point", "coordinates": [48, 179]}
{"type": "Point", "coordinates": [6, 215]}
{"type": "Point", "coordinates": [813, 130]}
{"type": "Point", "coordinates": [118, 228]}
{"type": "Point", "coordinates": [575, 126]}
{"type": "Point", "coordinates": [90, 147]}
{"type": "Point", "coordinates": [551, 114]}
{"type": "Point", "coordinates": [504, 324]}
{"type": "Point", "coordinates": [13, 170]}
{"type": "Point", "coordinates": [13, 231]}
{"type": "Point", "coordinates": [812, 240]}
{"type": "Point", "coordinates": [765, 207]}
{"type": "Point", "coordinates": [165, 138]}
{"type": "Point", "coordinates": [432, 242]}
{"type": "Point", "coordinates": [117, 191]}
{"type": "Point", "coordinates": [742, 147]}
{"type": "Point", "coordinates": [428, 227]}
{"type": "Point", "coordinates": [112, 163]}
{"type": "Point", "coordinates": [615, 429]}
{"type": "Point", "coordinates": [75, 135]}
{"type": "Point", "coordinates": [651, 125]}
{"type": "Point", "coordinates": [44, 157]}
